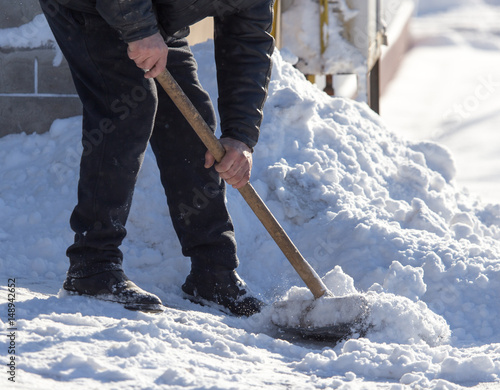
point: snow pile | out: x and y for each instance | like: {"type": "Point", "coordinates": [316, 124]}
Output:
{"type": "Point", "coordinates": [389, 317]}
{"type": "Point", "coordinates": [387, 209]}
{"type": "Point", "coordinates": [374, 214]}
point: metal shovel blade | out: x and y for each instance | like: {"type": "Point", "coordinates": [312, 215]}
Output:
{"type": "Point", "coordinates": [325, 318]}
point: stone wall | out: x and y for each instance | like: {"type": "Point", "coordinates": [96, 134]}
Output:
{"type": "Point", "coordinates": [35, 83]}
{"type": "Point", "coordinates": [35, 89]}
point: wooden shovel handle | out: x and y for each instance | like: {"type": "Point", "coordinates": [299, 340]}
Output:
{"type": "Point", "coordinates": [305, 271]}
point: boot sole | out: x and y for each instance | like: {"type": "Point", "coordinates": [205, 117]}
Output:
{"type": "Point", "coordinates": [205, 303]}
{"type": "Point", "coordinates": [143, 307]}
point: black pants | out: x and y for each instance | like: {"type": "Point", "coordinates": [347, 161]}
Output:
{"type": "Point", "coordinates": [122, 112]}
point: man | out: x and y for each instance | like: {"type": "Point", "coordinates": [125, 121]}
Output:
{"type": "Point", "coordinates": [114, 49]}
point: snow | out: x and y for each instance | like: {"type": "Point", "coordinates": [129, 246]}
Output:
{"type": "Point", "coordinates": [31, 35]}
{"type": "Point", "coordinates": [456, 53]}
{"type": "Point", "coordinates": [377, 214]}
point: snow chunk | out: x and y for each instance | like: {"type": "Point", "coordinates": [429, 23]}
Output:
{"type": "Point", "coordinates": [407, 281]}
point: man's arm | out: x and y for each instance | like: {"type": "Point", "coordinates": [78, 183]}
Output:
{"type": "Point", "coordinates": [133, 19]}
{"type": "Point", "coordinates": [136, 23]}
{"type": "Point", "coordinates": [243, 49]}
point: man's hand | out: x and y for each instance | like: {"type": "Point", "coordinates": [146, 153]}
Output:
{"type": "Point", "coordinates": [236, 164]}
{"type": "Point", "coordinates": [149, 54]}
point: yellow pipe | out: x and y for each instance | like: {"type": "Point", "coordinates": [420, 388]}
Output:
{"type": "Point", "coordinates": [323, 23]}
{"type": "Point", "coordinates": [275, 20]}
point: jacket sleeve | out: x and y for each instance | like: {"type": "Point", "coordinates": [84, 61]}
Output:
{"type": "Point", "coordinates": [243, 49]}
{"type": "Point", "coordinates": [133, 19]}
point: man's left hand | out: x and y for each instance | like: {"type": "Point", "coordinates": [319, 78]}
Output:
{"type": "Point", "coordinates": [236, 165]}
{"type": "Point", "coordinates": [149, 54]}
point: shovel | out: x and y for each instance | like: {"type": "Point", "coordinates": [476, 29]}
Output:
{"type": "Point", "coordinates": [345, 315]}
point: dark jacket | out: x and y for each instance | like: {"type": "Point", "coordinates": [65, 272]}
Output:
{"type": "Point", "coordinates": [243, 47]}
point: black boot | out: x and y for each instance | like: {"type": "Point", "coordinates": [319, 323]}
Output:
{"type": "Point", "coordinates": [223, 287]}
{"type": "Point", "coordinates": [114, 286]}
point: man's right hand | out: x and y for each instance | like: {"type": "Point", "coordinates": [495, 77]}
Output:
{"type": "Point", "coordinates": [149, 54]}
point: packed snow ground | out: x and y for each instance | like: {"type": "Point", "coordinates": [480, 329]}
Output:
{"type": "Point", "coordinates": [447, 89]}
{"type": "Point", "coordinates": [374, 213]}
